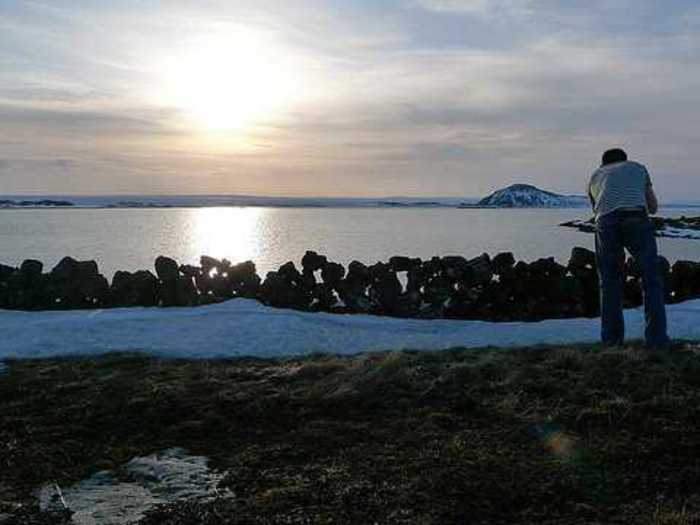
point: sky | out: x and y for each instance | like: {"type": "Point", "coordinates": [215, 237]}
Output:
{"type": "Point", "coordinates": [344, 98]}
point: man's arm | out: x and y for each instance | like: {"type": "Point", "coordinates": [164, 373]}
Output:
{"type": "Point", "coordinates": [590, 194]}
{"type": "Point", "coordinates": [652, 201]}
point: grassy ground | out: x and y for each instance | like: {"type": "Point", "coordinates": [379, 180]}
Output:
{"type": "Point", "coordinates": [538, 435]}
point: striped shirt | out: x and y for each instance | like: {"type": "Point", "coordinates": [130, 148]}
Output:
{"type": "Point", "coordinates": [622, 185]}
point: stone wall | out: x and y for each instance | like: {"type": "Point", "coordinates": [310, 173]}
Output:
{"type": "Point", "coordinates": [490, 288]}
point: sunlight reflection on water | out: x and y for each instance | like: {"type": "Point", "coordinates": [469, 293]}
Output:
{"type": "Point", "coordinates": [234, 233]}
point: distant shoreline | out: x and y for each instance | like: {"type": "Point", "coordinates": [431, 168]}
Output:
{"type": "Point", "coordinates": [74, 206]}
{"type": "Point", "coordinates": [513, 197]}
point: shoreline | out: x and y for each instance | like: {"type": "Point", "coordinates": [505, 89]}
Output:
{"type": "Point", "coordinates": [315, 206]}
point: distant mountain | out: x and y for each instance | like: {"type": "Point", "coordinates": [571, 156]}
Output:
{"type": "Point", "coordinates": [527, 196]}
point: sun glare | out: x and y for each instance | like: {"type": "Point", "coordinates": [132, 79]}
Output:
{"type": "Point", "coordinates": [229, 82]}
{"type": "Point", "coordinates": [232, 233]}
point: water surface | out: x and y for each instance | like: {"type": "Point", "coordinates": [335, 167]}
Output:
{"type": "Point", "coordinates": [130, 239]}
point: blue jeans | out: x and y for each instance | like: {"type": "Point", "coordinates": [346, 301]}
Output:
{"type": "Point", "coordinates": [615, 232]}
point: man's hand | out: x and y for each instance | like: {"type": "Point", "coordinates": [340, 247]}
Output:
{"type": "Point", "coordinates": [652, 201]}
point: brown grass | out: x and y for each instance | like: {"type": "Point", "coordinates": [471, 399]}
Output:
{"type": "Point", "coordinates": [537, 435]}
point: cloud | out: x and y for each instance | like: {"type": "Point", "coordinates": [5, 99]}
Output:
{"type": "Point", "coordinates": [477, 6]}
{"type": "Point", "coordinates": [474, 93]}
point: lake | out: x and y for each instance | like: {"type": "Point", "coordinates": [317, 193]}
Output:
{"type": "Point", "coordinates": [130, 239]}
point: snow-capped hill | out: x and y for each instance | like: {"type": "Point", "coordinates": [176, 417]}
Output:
{"type": "Point", "coordinates": [527, 196]}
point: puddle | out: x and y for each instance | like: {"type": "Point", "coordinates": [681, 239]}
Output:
{"type": "Point", "coordinates": [123, 496]}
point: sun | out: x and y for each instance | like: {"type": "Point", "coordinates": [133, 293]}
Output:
{"type": "Point", "coordinates": [228, 82]}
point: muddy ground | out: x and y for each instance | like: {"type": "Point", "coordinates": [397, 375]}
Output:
{"type": "Point", "coordinates": [535, 435]}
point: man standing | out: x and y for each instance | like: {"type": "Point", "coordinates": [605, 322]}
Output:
{"type": "Point", "coordinates": [622, 198]}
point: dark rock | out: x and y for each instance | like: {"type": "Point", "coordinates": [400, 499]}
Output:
{"type": "Point", "coordinates": [353, 289]}
{"type": "Point", "coordinates": [289, 272]}
{"type": "Point", "coordinates": [547, 268]}
{"type": "Point", "coordinates": [438, 290]}
{"type": "Point", "coordinates": [93, 291]}
{"type": "Point", "coordinates": [581, 259]}
{"type": "Point", "coordinates": [121, 279]}
{"type": "Point", "coordinates": [631, 269]}
{"type": "Point", "coordinates": [167, 269]}
{"type": "Point", "coordinates": [417, 278]}
{"type": "Point", "coordinates": [356, 301]}
{"type": "Point", "coordinates": [219, 286]}
{"type": "Point", "coordinates": [685, 280]}
{"type": "Point", "coordinates": [457, 268]}
{"type": "Point", "coordinates": [208, 264]}
{"type": "Point", "coordinates": [481, 268]}
{"type": "Point", "coordinates": [323, 297]}
{"type": "Point", "coordinates": [76, 284]}
{"type": "Point", "coordinates": [65, 270]}
{"type": "Point", "coordinates": [587, 282]}
{"type": "Point", "coordinates": [385, 289]}
{"type": "Point", "coordinates": [403, 264]}
{"type": "Point", "coordinates": [311, 261]}
{"type": "Point", "coordinates": [664, 269]}
{"type": "Point", "coordinates": [521, 269]}
{"type": "Point", "coordinates": [459, 307]}
{"type": "Point", "coordinates": [358, 273]}
{"type": "Point", "coordinates": [308, 279]}
{"type": "Point", "coordinates": [86, 270]}
{"type": "Point", "coordinates": [244, 279]}
{"type": "Point", "coordinates": [408, 304]}
{"type": "Point", "coordinates": [286, 288]}
{"type": "Point", "coordinates": [134, 289]}
{"type": "Point", "coordinates": [492, 301]}
{"type": "Point", "coordinates": [332, 273]}
{"type": "Point", "coordinates": [31, 269]}
{"type": "Point", "coordinates": [6, 272]}
{"type": "Point", "coordinates": [224, 266]}
{"type": "Point", "coordinates": [632, 293]}
{"type": "Point", "coordinates": [433, 266]}
{"type": "Point", "coordinates": [178, 292]}
{"type": "Point", "coordinates": [502, 262]}
{"type": "Point", "coordinates": [190, 271]}
{"type": "Point", "coordinates": [282, 290]}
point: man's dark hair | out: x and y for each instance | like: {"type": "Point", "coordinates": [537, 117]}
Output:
{"type": "Point", "coordinates": [614, 155]}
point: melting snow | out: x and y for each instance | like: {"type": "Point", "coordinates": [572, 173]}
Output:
{"type": "Point", "coordinates": [246, 327]}
{"type": "Point", "coordinates": [115, 498]}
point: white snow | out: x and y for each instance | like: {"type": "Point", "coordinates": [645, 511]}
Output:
{"type": "Point", "coordinates": [246, 327]}
{"type": "Point", "coordinates": [679, 233]}
{"type": "Point", "coordinates": [107, 498]}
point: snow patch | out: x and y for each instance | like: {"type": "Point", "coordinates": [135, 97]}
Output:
{"type": "Point", "coordinates": [679, 233]}
{"type": "Point", "coordinates": [115, 498]}
{"type": "Point", "coordinates": [244, 327]}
